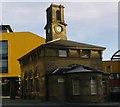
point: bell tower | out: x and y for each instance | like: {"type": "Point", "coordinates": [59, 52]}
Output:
{"type": "Point", "coordinates": [56, 26]}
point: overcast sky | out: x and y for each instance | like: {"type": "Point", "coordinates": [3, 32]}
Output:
{"type": "Point", "coordinates": [88, 22]}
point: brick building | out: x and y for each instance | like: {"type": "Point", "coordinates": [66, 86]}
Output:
{"type": "Point", "coordinates": [63, 66]}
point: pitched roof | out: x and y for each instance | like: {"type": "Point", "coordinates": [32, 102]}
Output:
{"type": "Point", "coordinates": [75, 68]}
{"type": "Point", "coordinates": [71, 44]}
{"type": "Point", "coordinates": [58, 43]}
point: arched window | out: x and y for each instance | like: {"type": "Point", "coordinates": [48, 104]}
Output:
{"type": "Point", "coordinates": [37, 80]}
{"type": "Point", "coordinates": [58, 15]}
{"type": "Point", "coordinates": [30, 81]}
{"type": "Point", "coordinates": [25, 85]}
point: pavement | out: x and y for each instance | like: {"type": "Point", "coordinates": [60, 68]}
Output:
{"type": "Point", "coordinates": [38, 103]}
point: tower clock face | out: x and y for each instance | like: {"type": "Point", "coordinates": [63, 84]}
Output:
{"type": "Point", "coordinates": [58, 29]}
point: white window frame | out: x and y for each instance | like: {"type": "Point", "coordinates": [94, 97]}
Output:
{"type": "Point", "coordinates": [62, 53]}
{"type": "Point", "coordinates": [93, 85]}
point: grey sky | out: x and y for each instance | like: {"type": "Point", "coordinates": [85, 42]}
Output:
{"type": "Point", "coordinates": [88, 22]}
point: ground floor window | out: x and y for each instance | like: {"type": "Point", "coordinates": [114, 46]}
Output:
{"type": "Point", "coordinates": [30, 81]}
{"type": "Point", "coordinates": [76, 86]}
{"type": "Point", "coordinates": [104, 84]}
{"type": "Point", "coordinates": [93, 84]}
{"type": "Point", "coordinates": [37, 80]}
{"type": "Point", "coordinates": [61, 80]}
{"type": "Point", "coordinates": [37, 85]}
{"type": "Point", "coordinates": [31, 85]}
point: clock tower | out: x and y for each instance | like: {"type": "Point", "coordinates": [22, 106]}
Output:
{"type": "Point", "coordinates": [55, 27]}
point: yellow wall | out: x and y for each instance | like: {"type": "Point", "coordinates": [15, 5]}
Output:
{"type": "Point", "coordinates": [115, 66]}
{"type": "Point", "coordinates": [19, 43]}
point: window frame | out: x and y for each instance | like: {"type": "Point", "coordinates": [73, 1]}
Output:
{"type": "Point", "coordinates": [58, 15]}
{"type": "Point", "coordinates": [4, 55]}
{"type": "Point", "coordinates": [85, 53]}
{"type": "Point", "coordinates": [93, 86]}
{"type": "Point", "coordinates": [61, 54]}
{"type": "Point", "coordinates": [76, 86]}
{"type": "Point", "coordinates": [37, 80]}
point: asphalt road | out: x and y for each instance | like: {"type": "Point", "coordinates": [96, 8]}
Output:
{"type": "Point", "coordinates": [38, 103]}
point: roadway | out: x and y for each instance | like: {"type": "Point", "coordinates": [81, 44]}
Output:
{"type": "Point", "coordinates": [38, 103]}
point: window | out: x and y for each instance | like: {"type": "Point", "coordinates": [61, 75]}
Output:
{"type": "Point", "coordinates": [115, 76]}
{"type": "Point", "coordinates": [3, 64]}
{"type": "Point", "coordinates": [118, 76]}
{"type": "Point", "coordinates": [25, 76]}
{"type": "Point", "coordinates": [37, 85]}
{"type": "Point", "coordinates": [112, 76]}
{"type": "Point", "coordinates": [58, 17]}
{"type": "Point", "coordinates": [31, 85]}
{"type": "Point", "coordinates": [37, 74]}
{"type": "Point", "coordinates": [104, 85]}
{"type": "Point", "coordinates": [85, 54]}
{"type": "Point", "coordinates": [3, 56]}
{"type": "Point", "coordinates": [62, 53]}
{"type": "Point", "coordinates": [3, 50]}
{"type": "Point", "coordinates": [108, 68]}
{"type": "Point", "coordinates": [37, 81]}
{"type": "Point", "coordinates": [61, 80]}
{"type": "Point", "coordinates": [76, 86]}
{"type": "Point", "coordinates": [30, 81]}
{"type": "Point", "coordinates": [93, 83]}
{"type": "Point", "coordinates": [25, 84]}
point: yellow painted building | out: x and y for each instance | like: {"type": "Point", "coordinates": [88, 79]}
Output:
{"type": "Point", "coordinates": [111, 66]}
{"type": "Point", "coordinates": [18, 44]}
